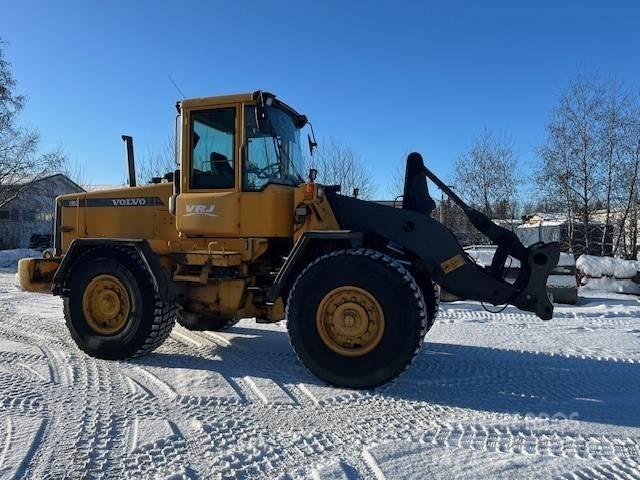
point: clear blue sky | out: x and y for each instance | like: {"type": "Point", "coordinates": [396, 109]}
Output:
{"type": "Point", "coordinates": [387, 77]}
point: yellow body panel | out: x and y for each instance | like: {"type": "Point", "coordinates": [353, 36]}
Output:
{"type": "Point", "coordinates": [233, 214]}
{"type": "Point", "coordinates": [208, 214]}
{"type": "Point", "coordinates": [320, 216]}
{"type": "Point", "coordinates": [138, 212]}
{"type": "Point", "coordinates": [268, 213]}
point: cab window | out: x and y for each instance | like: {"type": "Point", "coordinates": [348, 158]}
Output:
{"type": "Point", "coordinates": [272, 153]}
{"type": "Point", "coordinates": [212, 148]}
{"type": "Point", "coordinates": [261, 155]}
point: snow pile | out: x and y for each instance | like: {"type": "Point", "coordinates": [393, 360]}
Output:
{"type": "Point", "coordinates": [9, 258]}
{"type": "Point", "coordinates": [611, 285]}
{"type": "Point", "coordinates": [607, 266]}
{"type": "Point", "coordinates": [609, 274]}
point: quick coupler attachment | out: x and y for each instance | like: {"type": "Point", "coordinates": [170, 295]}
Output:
{"type": "Point", "coordinates": [541, 259]}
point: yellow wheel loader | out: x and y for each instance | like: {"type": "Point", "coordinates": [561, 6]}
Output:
{"type": "Point", "coordinates": [237, 232]}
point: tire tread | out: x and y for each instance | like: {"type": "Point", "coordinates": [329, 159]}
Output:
{"type": "Point", "coordinates": [399, 270]}
{"type": "Point", "coordinates": [164, 314]}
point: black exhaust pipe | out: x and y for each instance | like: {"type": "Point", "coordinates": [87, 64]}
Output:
{"type": "Point", "coordinates": [128, 141]}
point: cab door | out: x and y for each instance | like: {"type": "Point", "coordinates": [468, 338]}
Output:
{"type": "Point", "coordinates": [209, 202]}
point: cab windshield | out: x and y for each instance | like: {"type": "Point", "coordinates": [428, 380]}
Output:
{"type": "Point", "coordinates": [273, 153]}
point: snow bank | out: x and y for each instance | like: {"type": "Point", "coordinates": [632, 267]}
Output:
{"type": "Point", "coordinates": [9, 258]}
{"type": "Point", "coordinates": [607, 266]}
{"type": "Point", "coordinates": [609, 274]}
{"type": "Point", "coordinates": [612, 285]}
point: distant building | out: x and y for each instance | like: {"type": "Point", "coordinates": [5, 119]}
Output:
{"type": "Point", "coordinates": [31, 212]}
{"type": "Point", "coordinates": [543, 227]}
{"type": "Point", "coordinates": [553, 227]}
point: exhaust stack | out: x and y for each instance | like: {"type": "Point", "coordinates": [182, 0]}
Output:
{"type": "Point", "coordinates": [128, 141]}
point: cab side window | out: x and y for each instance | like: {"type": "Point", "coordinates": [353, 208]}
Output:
{"type": "Point", "coordinates": [213, 135]}
{"type": "Point", "coordinates": [261, 154]}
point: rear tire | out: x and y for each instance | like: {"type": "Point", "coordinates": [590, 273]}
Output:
{"type": "Point", "coordinates": [205, 322]}
{"type": "Point", "coordinates": [362, 280]}
{"type": "Point", "coordinates": [431, 294]}
{"type": "Point", "coordinates": [147, 321]}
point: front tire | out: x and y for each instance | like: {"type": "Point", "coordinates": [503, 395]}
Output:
{"type": "Point", "coordinates": [356, 318]}
{"type": "Point", "coordinates": [112, 309]}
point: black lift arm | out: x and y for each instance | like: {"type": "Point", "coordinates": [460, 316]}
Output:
{"type": "Point", "coordinates": [439, 251]}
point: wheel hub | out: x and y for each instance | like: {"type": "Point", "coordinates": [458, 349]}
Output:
{"type": "Point", "coordinates": [106, 305]}
{"type": "Point", "coordinates": [350, 321]}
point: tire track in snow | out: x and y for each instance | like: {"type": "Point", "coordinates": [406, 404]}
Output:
{"type": "Point", "coordinates": [153, 383]}
{"type": "Point", "coordinates": [21, 440]}
{"type": "Point", "coordinates": [268, 391]}
{"type": "Point", "coordinates": [61, 371]}
{"type": "Point", "coordinates": [191, 338]}
{"type": "Point", "coordinates": [155, 447]}
{"type": "Point", "coordinates": [534, 442]}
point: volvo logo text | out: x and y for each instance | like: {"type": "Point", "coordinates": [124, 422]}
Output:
{"type": "Point", "coordinates": [129, 202]}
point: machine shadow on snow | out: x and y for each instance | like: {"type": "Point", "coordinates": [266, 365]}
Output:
{"type": "Point", "coordinates": [480, 378]}
{"type": "Point", "coordinates": [591, 301]}
{"type": "Point", "coordinates": [524, 383]}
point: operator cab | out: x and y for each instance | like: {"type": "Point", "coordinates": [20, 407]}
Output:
{"type": "Point", "coordinates": [241, 156]}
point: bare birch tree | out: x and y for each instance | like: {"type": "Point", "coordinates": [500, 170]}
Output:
{"type": "Point", "coordinates": [590, 164]}
{"type": "Point", "coordinates": [20, 161]}
{"type": "Point", "coordinates": [339, 164]}
{"type": "Point", "coordinates": [75, 171]}
{"type": "Point", "coordinates": [395, 185]}
{"type": "Point", "coordinates": [486, 175]}
{"type": "Point", "coordinates": [615, 122]}
{"type": "Point", "coordinates": [628, 178]}
{"type": "Point", "coordinates": [571, 162]}
{"type": "Point", "coordinates": [156, 162]}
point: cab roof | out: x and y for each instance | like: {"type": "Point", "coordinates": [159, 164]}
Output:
{"type": "Point", "coordinates": [228, 99]}
{"type": "Point", "coordinates": [217, 100]}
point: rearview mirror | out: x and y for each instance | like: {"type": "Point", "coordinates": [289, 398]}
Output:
{"type": "Point", "coordinates": [312, 144]}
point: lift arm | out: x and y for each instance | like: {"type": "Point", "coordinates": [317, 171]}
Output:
{"type": "Point", "coordinates": [435, 246]}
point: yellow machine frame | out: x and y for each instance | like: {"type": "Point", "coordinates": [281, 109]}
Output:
{"type": "Point", "coordinates": [242, 230]}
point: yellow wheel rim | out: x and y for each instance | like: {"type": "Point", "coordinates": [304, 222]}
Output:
{"type": "Point", "coordinates": [106, 305]}
{"type": "Point", "coordinates": [350, 321]}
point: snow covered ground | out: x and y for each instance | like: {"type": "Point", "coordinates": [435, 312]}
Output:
{"type": "Point", "coordinates": [490, 396]}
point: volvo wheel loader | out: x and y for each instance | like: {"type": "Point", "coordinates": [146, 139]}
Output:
{"type": "Point", "coordinates": [238, 232]}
